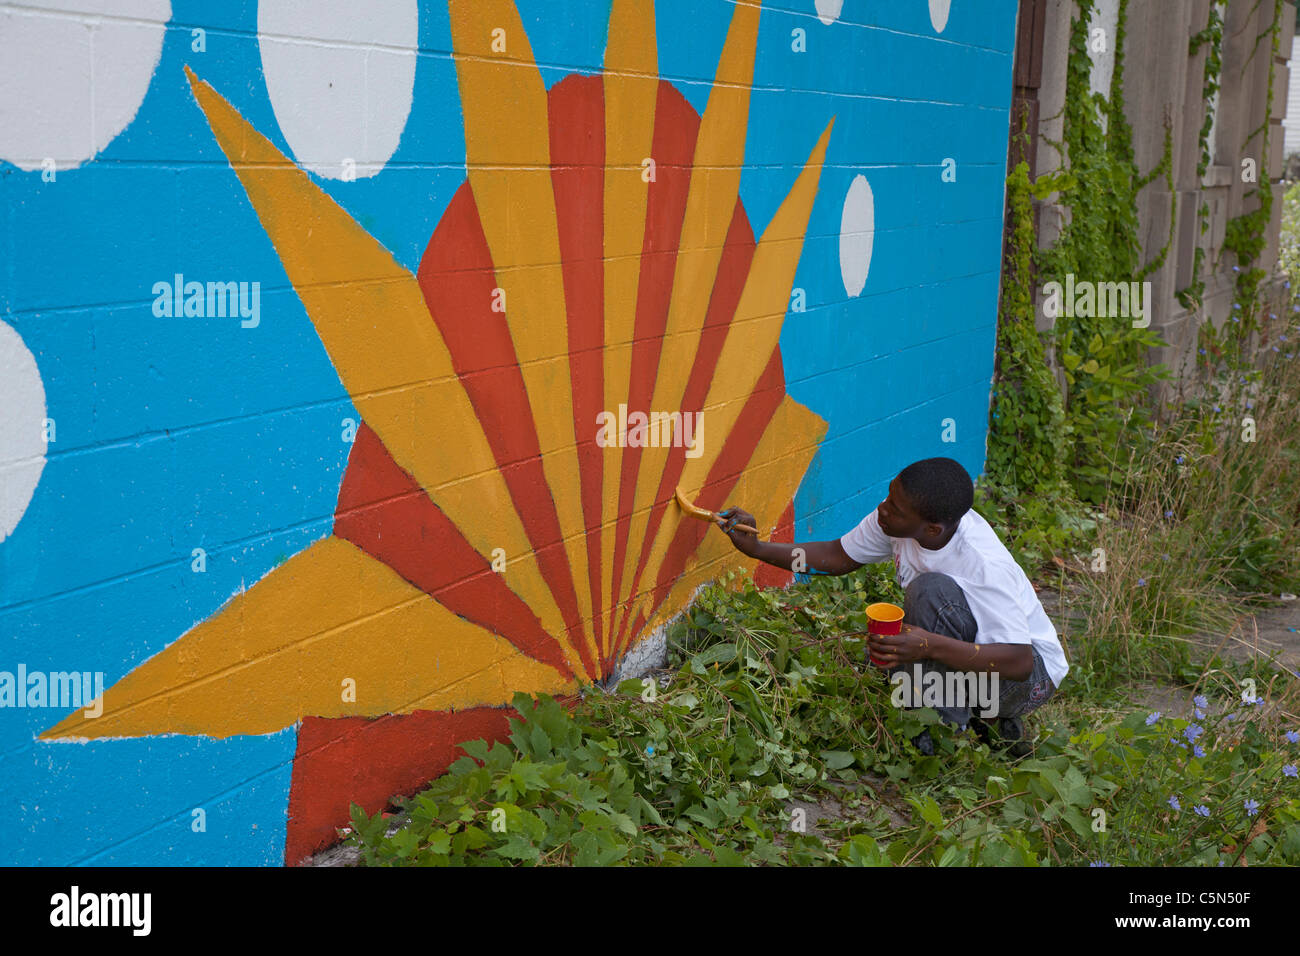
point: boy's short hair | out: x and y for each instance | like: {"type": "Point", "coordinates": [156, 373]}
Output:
{"type": "Point", "coordinates": [940, 489]}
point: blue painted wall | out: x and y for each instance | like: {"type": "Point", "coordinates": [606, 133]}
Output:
{"type": "Point", "coordinates": [174, 434]}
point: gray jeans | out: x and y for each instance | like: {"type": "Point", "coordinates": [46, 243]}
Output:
{"type": "Point", "coordinates": [935, 602]}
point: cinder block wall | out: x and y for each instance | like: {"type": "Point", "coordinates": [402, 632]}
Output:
{"type": "Point", "coordinates": [1163, 82]}
{"type": "Point", "coordinates": [324, 334]}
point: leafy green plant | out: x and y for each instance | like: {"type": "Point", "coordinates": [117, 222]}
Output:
{"type": "Point", "coordinates": [1105, 367]}
{"type": "Point", "coordinates": [768, 701]}
{"type": "Point", "coordinates": [1028, 431]}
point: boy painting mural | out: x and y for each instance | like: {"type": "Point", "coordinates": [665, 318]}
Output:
{"type": "Point", "coordinates": [968, 607]}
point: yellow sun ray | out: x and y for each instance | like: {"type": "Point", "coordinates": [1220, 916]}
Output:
{"type": "Point", "coordinates": [767, 484]}
{"type": "Point", "coordinates": [753, 333]}
{"type": "Point", "coordinates": [508, 163]}
{"type": "Point", "coordinates": [710, 206]}
{"type": "Point", "coordinates": [288, 647]}
{"type": "Point", "coordinates": [372, 318]}
{"type": "Point", "coordinates": [631, 92]}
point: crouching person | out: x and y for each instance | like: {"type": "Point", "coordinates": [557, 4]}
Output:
{"type": "Point", "coordinates": [971, 618]}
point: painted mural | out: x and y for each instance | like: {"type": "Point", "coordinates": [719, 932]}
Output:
{"type": "Point", "coordinates": [396, 335]}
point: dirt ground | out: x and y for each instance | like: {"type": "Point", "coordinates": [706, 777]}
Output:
{"type": "Point", "coordinates": [1269, 631]}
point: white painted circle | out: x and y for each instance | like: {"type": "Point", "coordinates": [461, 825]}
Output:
{"type": "Point", "coordinates": [340, 77]}
{"type": "Point", "coordinates": [828, 11]}
{"type": "Point", "coordinates": [939, 14]}
{"type": "Point", "coordinates": [75, 73]}
{"type": "Point", "coordinates": [22, 438]}
{"type": "Point", "coordinates": [857, 232]}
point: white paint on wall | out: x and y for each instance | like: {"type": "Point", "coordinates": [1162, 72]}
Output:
{"type": "Point", "coordinates": [73, 74]}
{"type": "Point", "coordinates": [340, 77]}
{"type": "Point", "coordinates": [857, 233]}
{"type": "Point", "coordinates": [828, 11]}
{"type": "Point", "coordinates": [22, 437]}
{"type": "Point", "coordinates": [939, 14]}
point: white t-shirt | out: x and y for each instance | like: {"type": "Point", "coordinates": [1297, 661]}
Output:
{"type": "Point", "coordinates": [998, 591]}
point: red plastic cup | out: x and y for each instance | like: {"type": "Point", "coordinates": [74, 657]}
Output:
{"type": "Point", "coordinates": [884, 618]}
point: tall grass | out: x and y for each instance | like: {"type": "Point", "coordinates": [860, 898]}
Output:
{"type": "Point", "coordinates": [1202, 523]}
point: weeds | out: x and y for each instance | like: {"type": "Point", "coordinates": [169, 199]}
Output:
{"type": "Point", "coordinates": [769, 700]}
{"type": "Point", "coordinates": [769, 741]}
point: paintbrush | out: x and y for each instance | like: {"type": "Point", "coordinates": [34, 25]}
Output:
{"type": "Point", "coordinates": [705, 515]}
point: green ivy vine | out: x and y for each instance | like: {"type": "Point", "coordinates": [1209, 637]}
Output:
{"type": "Point", "coordinates": [1245, 236]}
{"type": "Point", "coordinates": [1029, 433]}
{"type": "Point", "coordinates": [1211, 37]}
{"type": "Point", "coordinates": [1104, 358]}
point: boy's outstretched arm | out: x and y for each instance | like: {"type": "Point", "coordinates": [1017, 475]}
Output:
{"type": "Point", "coordinates": [826, 557]}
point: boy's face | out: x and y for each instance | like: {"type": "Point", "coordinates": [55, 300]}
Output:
{"type": "Point", "coordinates": [895, 514]}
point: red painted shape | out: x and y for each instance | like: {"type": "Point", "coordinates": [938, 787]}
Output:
{"type": "Point", "coordinates": [735, 455]}
{"type": "Point", "coordinates": [673, 149]}
{"type": "Point", "coordinates": [733, 268]}
{"type": "Point", "coordinates": [767, 575]}
{"type": "Point", "coordinates": [384, 512]}
{"type": "Point", "coordinates": [457, 278]}
{"type": "Point", "coordinates": [577, 126]}
{"type": "Point", "coordinates": [368, 761]}
{"type": "Point", "coordinates": [341, 761]}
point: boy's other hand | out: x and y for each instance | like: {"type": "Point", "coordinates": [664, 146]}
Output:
{"type": "Point", "coordinates": [911, 644]}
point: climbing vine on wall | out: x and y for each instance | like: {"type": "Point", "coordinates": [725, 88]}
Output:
{"type": "Point", "coordinates": [1039, 446]}
{"type": "Point", "coordinates": [1025, 493]}
{"type": "Point", "coordinates": [1245, 236]}
{"type": "Point", "coordinates": [1029, 434]}
{"type": "Point", "coordinates": [1104, 356]}
{"type": "Point", "coordinates": [1211, 37]}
